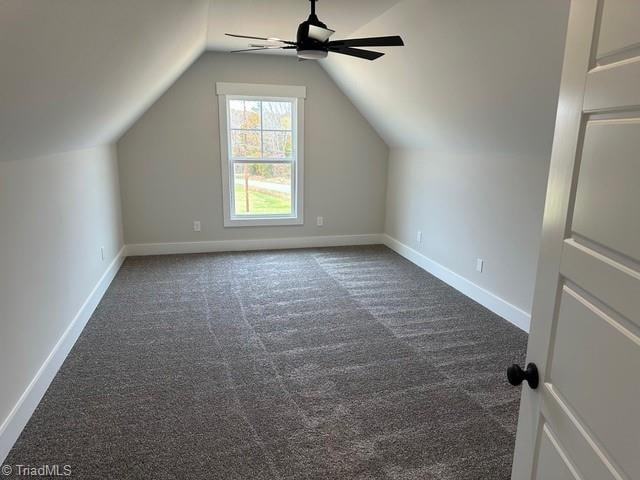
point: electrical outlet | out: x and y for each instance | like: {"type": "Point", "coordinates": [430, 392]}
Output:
{"type": "Point", "coordinates": [102, 253]}
{"type": "Point", "coordinates": [320, 221]}
{"type": "Point", "coordinates": [196, 226]}
{"type": "Point", "coordinates": [419, 237]}
{"type": "Point", "coordinates": [480, 265]}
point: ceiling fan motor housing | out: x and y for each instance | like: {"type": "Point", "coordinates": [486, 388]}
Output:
{"type": "Point", "coordinates": [308, 47]}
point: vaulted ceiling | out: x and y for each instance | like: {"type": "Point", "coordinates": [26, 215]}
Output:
{"type": "Point", "coordinates": [473, 76]}
{"type": "Point", "coordinates": [78, 73]}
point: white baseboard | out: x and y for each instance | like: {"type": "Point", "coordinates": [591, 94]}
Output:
{"type": "Point", "coordinates": [139, 249]}
{"type": "Point", "coordinates": [21, 413]}
{"type": "Point", "coordinates": [506, 310]}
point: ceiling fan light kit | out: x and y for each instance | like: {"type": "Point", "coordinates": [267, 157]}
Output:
{"type": "Point", "coordinates": [313, 42]}
{"type": "Point", "coordinates": [312, 54]}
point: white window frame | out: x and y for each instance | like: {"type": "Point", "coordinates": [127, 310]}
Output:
{"type": "Point", "coordinates": [246, 91]}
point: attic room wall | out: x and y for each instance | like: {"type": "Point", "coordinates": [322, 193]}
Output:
{"type": "Point", "coordinates": [468, 109]}
{"type": "Point", "coordinates": [471, 206]}
{"type": "Point", "coordinates": [170, 159]}
{"type": "Point", "coordinates": [55, 214]}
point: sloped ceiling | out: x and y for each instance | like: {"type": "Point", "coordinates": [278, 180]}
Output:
{"type": "Point", "coordinates": [474, 75]}
{"type": "Point", "coordinates": [77, 73]}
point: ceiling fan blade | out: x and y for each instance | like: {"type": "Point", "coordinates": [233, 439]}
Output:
{"type": "Point", "coordinates": [250, 50]}
{"type": "Point", "coordinates": [356, 52]}
{"type": "Point", "coordinates": [270, 39]}
{"type": "Point", "coordinates": [269, 47]}
{"type": "Point", "coordinates": [320, 34]}
{"type": "Point", "coordinates": [393, 41]}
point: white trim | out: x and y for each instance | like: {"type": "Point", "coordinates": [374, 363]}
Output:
{"type": "Point", "coordinates": [261, 89]}
{"type": "Point", "coordinates": [25, 406]}
{"type": "Point", "coordinates": [271, 221]}
{"type": "Point", "coordinates": [293, 94]}
{"type": "Point", "coordinates": [248, 245]}
{"type": "Point", "coordinates": [497, 305]}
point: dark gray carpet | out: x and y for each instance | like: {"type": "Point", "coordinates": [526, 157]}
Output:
{"type": "Point", "coordinates": [341, 363]}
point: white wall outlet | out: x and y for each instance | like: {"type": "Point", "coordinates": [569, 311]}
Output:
{"type": "Point", "coordinates": [196, 226]}
{"type": "Point", "coordinates": [480, 265]}
{"type": "Point", "coordinates": [419, 237]}
{"type": "Point", "coordinates": [320, 221]}
{"type": "Point", "coordinates": [102, 253]}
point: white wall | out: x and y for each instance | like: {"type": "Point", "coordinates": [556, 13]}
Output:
{"type": "Point", "coordinates": [55, 214]}
{"type": "Point", "coordinates": [170, 159]}
{"type": "Point", "coordinates": [468, 107]}
{"type": "Point", "coordinates": [471, 206]}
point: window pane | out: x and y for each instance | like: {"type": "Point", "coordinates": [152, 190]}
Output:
{"type": "Point", "coordinates": [262, 189]}
{"type": "Point", "coordinates": [276, 115]}
{"type": "Point", "coordinates": [245, 144]}
{"type": "Point", "coordinates": [277, 145]}
{"type": "Point", "coordinates": [244, 114]}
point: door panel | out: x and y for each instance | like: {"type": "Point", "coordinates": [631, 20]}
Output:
{"type": "Point", "coordinates": [613, 86]}
{"type": "Point", "coordinates": [585, 329]}
{"type": "Point", "coordinates": [578, 444]}
{"type": "Point", "coordinates": [619, 26]}
{"type": "Point", "coordinates": [607, 196]}
{"type": "Point", "coordinates": [594, 364]}
{"type": "Point", "coordinates": [552, 463]}
{"type": "Point", "coordinates": [617, 284]}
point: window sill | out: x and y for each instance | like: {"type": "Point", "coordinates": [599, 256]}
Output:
{"type": "Point", "coordinates": [263, 222]}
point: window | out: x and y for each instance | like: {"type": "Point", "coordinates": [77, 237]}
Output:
{"type": "Point", "coordinates": [261, 132]}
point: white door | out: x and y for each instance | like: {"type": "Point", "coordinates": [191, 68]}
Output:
{"type": "Point", "coordinates": [583, 420]}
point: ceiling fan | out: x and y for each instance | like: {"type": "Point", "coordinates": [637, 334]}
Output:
{"type": "Point", "coordinates": [313, 42]}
